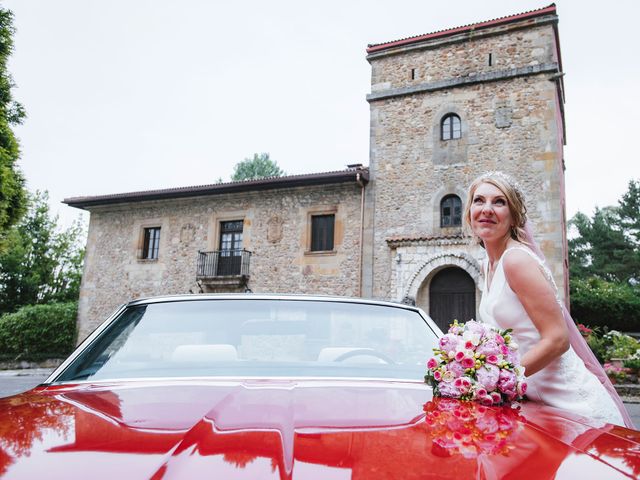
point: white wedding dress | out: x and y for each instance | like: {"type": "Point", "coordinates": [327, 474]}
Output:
{"type": "Point", "coordinates": [564, 383]}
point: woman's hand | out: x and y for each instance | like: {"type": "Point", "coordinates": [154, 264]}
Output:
{"type": "Point", "coordinates": [527, 280]}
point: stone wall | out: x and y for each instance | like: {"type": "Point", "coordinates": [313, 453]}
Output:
{"type": "Point", "coordinates": [463, 56]}
{"type": "Point", "coordinates": [276, 229]}
{"type": "Point", "coordinates": [511, 121]}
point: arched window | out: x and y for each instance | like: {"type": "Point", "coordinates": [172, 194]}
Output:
{"type": "Point", "coordinates": [451, 211]}
{"type": "Point", "coordinates": [451, 127]}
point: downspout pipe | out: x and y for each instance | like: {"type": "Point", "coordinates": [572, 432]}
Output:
{"type": "Point", "coordinates": [361, 183]}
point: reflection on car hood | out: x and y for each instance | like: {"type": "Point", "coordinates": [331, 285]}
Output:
{"type": "Point", "coordinates": [296, 429]}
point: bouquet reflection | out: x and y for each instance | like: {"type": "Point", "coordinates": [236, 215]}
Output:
{"type": "Point", "coordinates": [469, 429]}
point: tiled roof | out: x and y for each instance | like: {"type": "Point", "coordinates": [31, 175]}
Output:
{"type": "Point", "coordinates": [268, 183]}
{"type": "Point", "coordinates": [551, 9]}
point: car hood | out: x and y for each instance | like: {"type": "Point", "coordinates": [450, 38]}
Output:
{"type": "Point", "coordinates": [296, 429]}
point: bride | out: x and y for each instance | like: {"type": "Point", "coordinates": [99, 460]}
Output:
{"type": "Point", "coordinates": [519, 293]}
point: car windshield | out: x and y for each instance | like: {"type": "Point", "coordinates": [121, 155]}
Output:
{"type": "Point", "coordinates": [258, 338]}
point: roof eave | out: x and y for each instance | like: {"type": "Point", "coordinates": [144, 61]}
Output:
{"type": "Point", "coordinates": [376, 48]}
{"type": "Point", "coordinates": [345, 176]}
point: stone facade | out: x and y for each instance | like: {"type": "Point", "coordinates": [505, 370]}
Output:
{"type": "Point", "coordinates": [503, 81]}
{"type": "Point", "coordinates": [275, 230]}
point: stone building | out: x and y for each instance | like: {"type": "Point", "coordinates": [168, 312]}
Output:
{"type": "Point", "coordinates": [445, 107]}
{"type": "Point", "coordinates": [299, 234]}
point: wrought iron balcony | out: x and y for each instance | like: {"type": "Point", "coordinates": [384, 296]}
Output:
{"type": "Point", "coordinates": [220, 264]}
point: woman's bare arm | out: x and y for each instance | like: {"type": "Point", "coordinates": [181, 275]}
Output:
{"type": "Point", "coordinates": [537, 296]}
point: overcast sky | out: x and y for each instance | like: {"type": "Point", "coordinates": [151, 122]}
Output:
{"type": "Point", "coordinates": [126, 95]}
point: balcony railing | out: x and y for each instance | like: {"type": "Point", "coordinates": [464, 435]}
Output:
{"type": "Point", "coordinates": [223, 263]}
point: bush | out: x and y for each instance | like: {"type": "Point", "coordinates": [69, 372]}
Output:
{"type": "Point", "coordinates": [598, 303]}
{"type": "Point", "coordinates": [598, 346]}
{"type": "Point", "coordinates": [632, 364]}
{"type": "Point", "coordinates": [36, 332]}
{"type": "Point", "coordinates": [620, 345]}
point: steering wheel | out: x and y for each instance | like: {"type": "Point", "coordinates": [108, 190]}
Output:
{"type": "Point", "coordinates": [364, 351]}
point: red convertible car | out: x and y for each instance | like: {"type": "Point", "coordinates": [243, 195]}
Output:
{"type": "Point", "coordinates": [282, 387]}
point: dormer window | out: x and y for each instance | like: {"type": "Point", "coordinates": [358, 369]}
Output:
{"type": "Point", "coordinates": [451, 127]}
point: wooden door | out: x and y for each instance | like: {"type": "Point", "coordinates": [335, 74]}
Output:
{"type": "Point", "coordinates": [452, 295]}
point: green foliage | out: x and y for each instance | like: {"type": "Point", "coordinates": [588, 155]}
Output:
{"type": "Point", "coordinates": [12, 191]}
{"type": "Point", "coordinates": [598, 346]}
{"type": "Point", "coordinates": [260, 166]}
{"type": "Point", "coordinates": [599, 303]}
{"type": "Point", "coordinates": [629, 212]}
{"type": "Point", "coordinates": [608, 245]}
{"type": "Point", "coordinates": [620, 345]}
{"type": "Point", "coordinates": [611, 344]}
{"type": "Point", "coordinates": [39, 331]}
{"type": "Point", "coordinates": [603, 248]}
{"type": "Point", "coordinates": [40, 264]}
{"type": "Point", "coordinates": [632, 363]}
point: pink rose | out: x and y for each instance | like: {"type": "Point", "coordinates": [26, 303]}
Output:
{"type": "Point", "coordinates": [463, 384]}
{"type": "Point", "coordinates": [480, 392]}
{"type": "Point", "coordinates": [437, 375]}
{"type": "Point", "coordinates": [522, 388]}
{"type": "Point", "coordinates": [456, 368]}
{"type": "Point", "coordinates": [496, 397]}
{"type": "Point", "coordinates": [488, 348]}
{"type": "Point", "coordinates": [432, 363]}
{"type": "Point", "coordinates": [459, 356]}
{"type": "Point", "coordinates": [467, 362]}
{"type": "Point", "coordinates": [449, 390]}
{"type": "Point", "coordinates": [488, 376]}
{"type": "Point", "coordinates": [448, 342]}
{"type": "Point", "coordinates": [492, 359]}
{"type": "Point", "coordinates": [513, 357]}
{"type": "Point", "coordinates": [507, 381]}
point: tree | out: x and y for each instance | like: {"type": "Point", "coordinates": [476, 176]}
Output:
{"type": "Point", "coordinates": [12, 189]}
{"type": "Point", "coordinates": [608, 245]}
{"type": "Point", "coordinates": [629, 212]}
{"type": "Point", "coordinates": [40, 263]}
{"type": "Point", "coordinates": [260, 166]}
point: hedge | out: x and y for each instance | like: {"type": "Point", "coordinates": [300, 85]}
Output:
{"type": "Point", "coordinates": [598, 303]}
{"type": "Point", "coordinates": [36, 332]}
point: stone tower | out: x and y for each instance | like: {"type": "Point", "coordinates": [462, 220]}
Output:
{"type": "Point", "coordinates": [445, 107]}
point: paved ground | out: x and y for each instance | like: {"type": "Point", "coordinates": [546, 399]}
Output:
{"type": "Point", "coordinates": [16, 381]}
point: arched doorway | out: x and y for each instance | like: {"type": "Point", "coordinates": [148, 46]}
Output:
{"type": "Point", "coordinates": [452, 295]}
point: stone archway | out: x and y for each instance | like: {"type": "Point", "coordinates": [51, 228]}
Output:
{"type": "Point", "coordinates": [418, 287]}
{"type": "Point", "coordinates": [435, 262]}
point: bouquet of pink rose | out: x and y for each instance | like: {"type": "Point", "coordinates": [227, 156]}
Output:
{"type": "Point", "coordinates": [477, 362]}
{"type": "Point", "coordinates": [471, 429]}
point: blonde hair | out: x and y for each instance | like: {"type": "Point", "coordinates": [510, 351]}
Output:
{"type": "Point", "coordinates": [515, 200]}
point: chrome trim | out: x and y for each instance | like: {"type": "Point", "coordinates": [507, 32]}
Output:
{"type": "Point", "coordinates": [267, 296]}
{"type": "Point", "coordinates": [231, 380]}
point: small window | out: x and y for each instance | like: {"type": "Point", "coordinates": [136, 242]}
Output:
{"type": "Point", "coordinates": [151, 244]}
{"type": "Point", "coordinates": [451, 211]}
{"type": "Point", "coordinates": [451, 127]}
{"type": "Point", "coordinates": [322, 232]}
